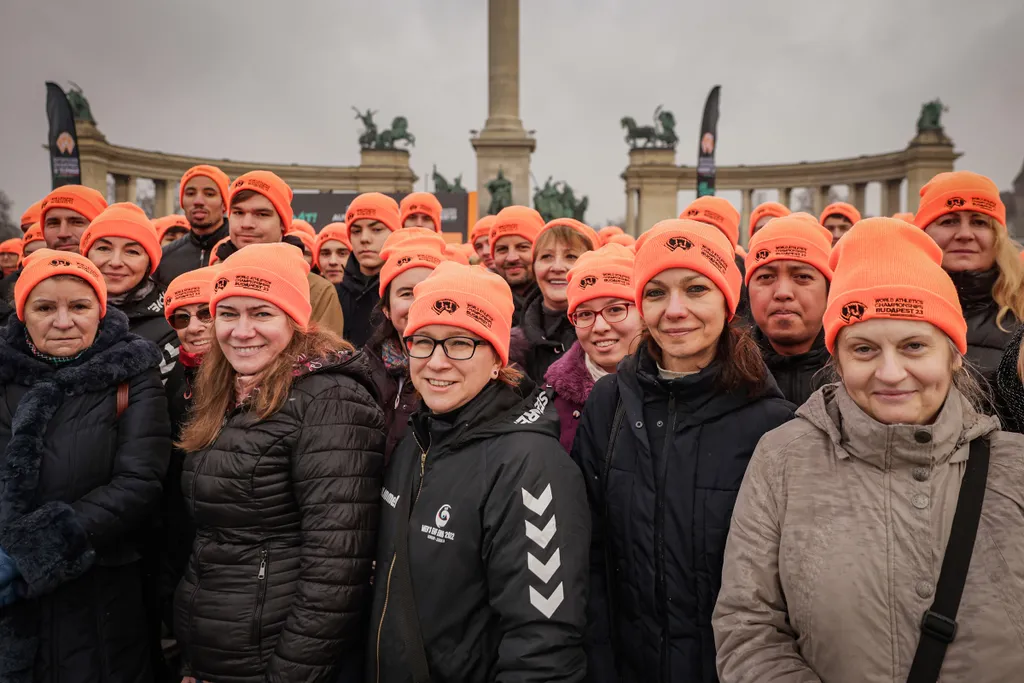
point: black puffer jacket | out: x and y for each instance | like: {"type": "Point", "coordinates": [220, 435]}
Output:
{"type": "Point", "coordinates": [497, 544]}
{"type": "Point", "coordinates": [286, 512]}
{"type": "Point", "coordinates": [663, 513]}
{"type": "Point", "coordinates": [521, 296]}
{"type": "Point", "coordinates": [191, 252]}
{"type": "Point", "coordinates": [77, 486]}
{"type": "Point", "coordinates": [359, 296]}
{"type": "Point", "coordinates": [144, 307]}
{"type": "Point", "coordinates": [548, 335]}
{"type": "Point", "coordinates": [985, 341]}
{"type": "Point", "coordinates": [398, 397]}
{"type": "Point", "coordinates": [797, 376]}
{"type": "Point", "coordinates": [7, 295]}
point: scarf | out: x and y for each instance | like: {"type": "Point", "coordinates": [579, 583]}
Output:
{"type": "Point", "coordinates": [137, 293]}
{"type": "Point", "coordinates": [395, 361]}
{"type": "Point", "coordinates": [47, 358]}
{"type": "Point", "coordinates": [596, 372]}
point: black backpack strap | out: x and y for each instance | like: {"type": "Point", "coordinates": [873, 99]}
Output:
{"type": "Point", "coordinates": [938, 626]}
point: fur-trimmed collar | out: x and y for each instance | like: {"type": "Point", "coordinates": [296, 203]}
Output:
{"type": "Point", "coordinates": [569, 376]}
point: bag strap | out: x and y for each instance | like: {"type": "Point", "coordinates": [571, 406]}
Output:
{"type": "Point", "coordinates": [122, 399]}
{"type": "Point", "coordinates": [606, 466]}
{"type": "Point", "coordinates": [938, 625]}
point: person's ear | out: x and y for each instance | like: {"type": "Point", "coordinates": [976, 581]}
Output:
{"type": "Point", "coordinates": [386, 311]}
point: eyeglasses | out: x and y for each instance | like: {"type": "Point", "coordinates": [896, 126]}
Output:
{"type": "Point", "coordinates": [180, 319]}
{"type": "Point", "coordinates": [613, 313]}
{"type": "Point", "coordinates": [456, 348]}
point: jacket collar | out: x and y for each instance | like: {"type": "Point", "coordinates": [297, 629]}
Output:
{"type": "Point", "coordinates": [975, 288]}
{"type": "Point", "coordinates": [207, 241]}
{"type": "Point", "coordinates": [815, 358]}
{"type": "Point", "coordinates": [557, 331]}
{"type": "Point", "coordinates": [355, 281]}
{"type": "Point", "coordinates": [569, 376]}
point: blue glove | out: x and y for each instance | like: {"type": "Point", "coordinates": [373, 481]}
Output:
{"type": "Point", "coordinates": [8, 569]}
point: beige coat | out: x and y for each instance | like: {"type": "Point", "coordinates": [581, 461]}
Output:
{"type": "Point", "coordinates": [837, 540]}
{"type": "Point", "coordinates": [323, 297]}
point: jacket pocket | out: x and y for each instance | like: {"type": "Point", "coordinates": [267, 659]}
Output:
{"type": "Point", "coordinates": [256, 631]}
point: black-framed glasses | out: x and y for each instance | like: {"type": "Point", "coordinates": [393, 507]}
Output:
{"type": "Point", "coordinates": [456, 348]}
{"type": "Point", "coordinates": [180, 319]}
{"type": "Point", "coordinates": [612, 313]}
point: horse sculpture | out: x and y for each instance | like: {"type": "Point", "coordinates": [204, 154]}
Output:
{"type": "Point", "coordinates": [398, 131]}
{"type": "Point", "coordinates": [369, 136]}
{"type": "Point", "coordinates": [635, 133]}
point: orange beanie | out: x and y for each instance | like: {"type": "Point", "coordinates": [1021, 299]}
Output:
{"type": "Point", "coordinates": [609, 230]}
{"type": "Point", "coordinates": [790, 239]}
{"type": "Point", "coordinates": [14, 245]}
{"type": "Point", "coordinates": [906, 217]}
{"type": "Point", "coordinates": [421, 202]}
{"type": "Point", "coordinates": [275, 273]}
{"type": "Point", "coordinates": [218, 176]}
{"type": "Point", "coordinates": [47, 263]}
{"type": "Point", "coordinates": [175, 220]}
{"type": "Point", "coordinates": [407, 249]}
{"type": "Point", "coordinates": [337, 232]}
{"type": "Point", "coordinates": [766, 209]}
{"type": "Point", "coordinates": [191, 287]}
{"type": "Point", "coordinates": [270, 186]}
{"type": "Point", "coordinates": [468, 297]}
{"type": "Point", "coordinates": [516, 220]}
{"type": "Point", "coordinates": [582, 228]}
{"type": "Point", "coordinates": [213, 252]}
{"type": "Point", "coordinates": [884, 268]}
{"type": "Point", "coordinates": [681, 243]}
{"type": "Point", "coordinates": [299, 225]}
{"type": "Point", "coordinates": [33, 234]}
{"type": "Point", "coordinates": [375, 206]}
{"type": "Point", "coordinates": [847, 211]}
{"type": "Point", "coordinates": [959, 191]}
{"type": "Point", "coordinates": [482, 228]}
{"type": "Point", "coordinates": [33, 214]}
{"type": "Point", "coordinates": [80, 199]}
{"type": "Point", "coordinates": [308, 241]}
{"type": "Point", "coordinates": [607, 271]}
{"type": "Point", "coordinates": [623, 239]}
{"type": "Point", "coordinates": [717, 212]}
{"type": "Point", "coordinates": [130, 222]}
{"type": "Point", "coordinates": [454, 252]}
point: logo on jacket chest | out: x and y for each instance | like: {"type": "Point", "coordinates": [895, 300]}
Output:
{"type": "Point", "coordinates": [441, 518]}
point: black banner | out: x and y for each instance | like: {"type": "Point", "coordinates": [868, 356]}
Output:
{"type": "Point", "coordinates": [707, 144]}
{"type": "Point", "coordinates": [319, 209]}
{"type": "Point", "coordinates": [63, 139]}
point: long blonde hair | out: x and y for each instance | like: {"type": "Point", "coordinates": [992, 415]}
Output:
{"type": "Point", "coordinates": [215, 384]}
{"type": "Point", "coordinates": [1008, 291]}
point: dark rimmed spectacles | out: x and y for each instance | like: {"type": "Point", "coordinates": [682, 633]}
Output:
{"type": "Point", "coordinates": [180, 319]}
{"type": "Point", "coordinates": [456, 348]}
{"type": "Point", "coordinates": [612, 313]}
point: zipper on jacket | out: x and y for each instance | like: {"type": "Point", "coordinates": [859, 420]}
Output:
{"type": "Point", "coordinates": [192, 602]}
{"type": "Point", "coordinates": [261, 594]}
{"type": "Point", "coordinates": [202, 257]}
{"type": "Point", "coordinates": [659, 531]}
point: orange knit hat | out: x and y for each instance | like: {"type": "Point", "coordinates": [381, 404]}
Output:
{"type": "Point", "coordinates": [213, 252]}
{"type": "Point", "coordinates": [33, 234]}
{"type": "Point", "coordinates": [407, 249]}
{"type": "Point", "coordinates": [582, 228]}
{"type": "Point", "coordinates": [717, 212]}
{"type": "Point", "coordinates": [847, 211]}
{"type": "Point", "coordinates": [191, 287]}
{"type": "Point", "coordinates": [959, 191]}
{"type": "Point", "coordinates": [175, 220]}
{"type": "Point", "coordinates": [337, 232]}
{"type": "Point", "coordinates": [766, 209]}
{"type": "Point", "coordinates": [275, 273]}
{"type": "Point", "coordinates": [308, 241]}
{"type": "Point", "coordinates": [790, 239]}
{"type": "Point", "coordinates": [884, 268]}
{"type": "Point", "coordinates": [681, 243]}
{"type": "Point", "coordinates": [620, 239]}
{"type": "Point", "coordinates": [79, 198]}
{"type": "Point", "coordinates": [468, 297]}
{"type": "Point", "coordinates": [454, 252]}
{"type": "Point", "coordinates": [516, 220]}
{"type": "Point", "coordinates": [270, 186]}
{"type": "Point", "coordinates": [482, 228]}
{"type": "Point", "coordinates": [47, 263]}
{"type": "Point", "coordinates": [376, 206]}
{"type": "Point", "coordinates": [15, 245]}
{"type": "Point", "coordinates": [904, 216]}
{"type": "Point", "coordinates": [609, 230]}
{"type": "Point", "coordinates": [219, 178]}
{"type": "Point", "coordinates": [130, 222]}
{"type": "Point", "coordinates": [607, 271]}
{"type": "Point", "coordinates": [301, 226]}
{"type": "Point", "coordinates": [421, 202]}
{"type": "Point", "coordinates": [33, 214]}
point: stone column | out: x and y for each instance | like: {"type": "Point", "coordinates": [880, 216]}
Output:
{"type": "Point", "coordinates": [858, 195]}
{"type": "Point", "coordinates": [891, 197]}
{"type": "Point", "coordinates": [163, 203]}
{"type": "Point", "coordinates": [630, 226]}
{"type": "Point", "coordinates": [748, 207]}
{"type": "Point", "coordinates": [785, 196]}
{"type": "Point", "coordinates": [124, 188]}
{"type": "Point", "coordinates": [818, 196]}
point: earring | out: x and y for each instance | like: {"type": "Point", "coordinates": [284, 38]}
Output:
{"type": "Point", "coordinates": [494, 374]}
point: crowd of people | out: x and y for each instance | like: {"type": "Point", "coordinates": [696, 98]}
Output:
{"type": "Point", "coordinates": [236, 449]}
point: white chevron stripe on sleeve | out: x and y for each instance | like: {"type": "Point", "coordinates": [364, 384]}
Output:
{"type": "Point", "coordinates": [544, 572]}
{"type": "Point", "coordinates": [546, 606]}
{"type": "Point", "coordinates": [541, 536]}
{"type": "Point", "coordinates": [537, 505]}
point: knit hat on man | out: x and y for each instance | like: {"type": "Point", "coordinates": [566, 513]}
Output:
{"type": "Point", "coordinates": [175, 220]}
{"type": "Point", "coordinates": [959, 191]}
{"type": "Point", "coordinates": [129, 222]}
{"type": "Point", "coordinates": [33, 234]}
{"type": "Point", "coordinates": [15, 245]}
{"type": "Point", "coordinates": [79, 198]}
{"type": "Point", "coordinates": [790, 239]}
{"type": "Point", "coordinates": [482, 228]}
{"type": "Point", "coordinates": [608, 271]}
{"type": "Point", "coordinates": [407, 249]}
{"type": "Point", "coordinates": [607, 231]}
{"type": "Point", "coordinates": [847, 211]}
{"type": "Point", "coordinates": [468, 297]}
{"type": "Point", "coordinates": [766, 209]}
{"type": "Point", "coordinates": [717, 212]}
{"type": "Point", "coordinates": [421, 202]}
{"type": "Point", "coordinates": [275, 273]}
{"type": "Point", "coordinates": [47, 263]}
{"type": "Point", "coordinates": [191, 287]}
{"type": "Point", "coordinates": [680, 243]}
{"type": "Point", "coordinates": [521, 221]}
{"type": "Point", "coordinates": [623, 240]}
{"type": "Point", "coordinates": [337, 232]}
{"type": "Point", "coordinates": [587, 232]}
{"type": "Point", "coordinates": [270, 186]}
{"type": "Point", "coordinates": [904, 216]}
{"type": "Point", "coordinates": [219, 178]}
{"type": "Point", "coordinates": [455, 252]}
{"type": "Point", "coordinates": [301, 226]}
{"type": "Point", "coordinates": [884, 268]}
{"type": "Point", "coordinates": [374, 206]}
{"type": "Point", "coordinates": [33, 214]}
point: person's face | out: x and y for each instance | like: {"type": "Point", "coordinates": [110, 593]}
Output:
{"type": "Point", "coordinates": [254, 221]}
{"type": "Point", "coordinates": [400, 291]}
{"type": "Point", "coordinates": [897, 371]}
{"type": "Point", "coordinates": [419, 220]}
{"type": "Point", "coordinates": [197, 336]}
{"type": "Point", "coordinates": [9, 263]}
{"type": "Point", "coordinates": [62, 316]}
{"type": "Point", "coordinates": [33, 247]}
{"type": "Point", "coordinates": [967, 239]}
{"type": "Point", "coordinates": [308, 255]}
{"type": "Point", "coordinates": [762, 221]}
{"type": "Point", "coordinates": [607, 343]}
{"type": "Point", "coordinates": [788, 300]}
{"type": "Point", "coordinates": [446, 384]}
{"type": "Point", "coordinates": [172, 235]}
{"type": "Point", "coordinates": [368, 237]}
{"type": "Point", "coordinates": [551, 269]}
{"type": "Point", "coordinates": [482, 246]}
{"type": "Point", "coordinates": [838, 226]}
{"type": "Point", "coordinates": [123, 263]}
{"type": "Point", "coordinates": [251, 333]}
{"type": "Point", "coordinates": [512, 258]}
{"type": "Point", "coordinates": [333, 259]}
{"type": "Point", "coordinates": [685, 313]}
{"type": "Point", "coordinates": [202, 203]}
{"type": "Point", "coordinates": [63, 229]}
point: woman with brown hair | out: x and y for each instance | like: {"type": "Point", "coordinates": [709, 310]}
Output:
{"type": "Point", "coordinates": [285, 455]}
{"type": "Point", "coordinates": [663, 445]}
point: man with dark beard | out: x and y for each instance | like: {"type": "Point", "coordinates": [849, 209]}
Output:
{"type": "Point", "coordinates": [203, 196]}
{"type": "Point", "coordinates": [512, 235]}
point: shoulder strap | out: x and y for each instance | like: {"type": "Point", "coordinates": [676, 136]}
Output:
{"type": "Point", "coordinates": [122, 399]}
{"type": "Point", "coordinates": [938, 625]}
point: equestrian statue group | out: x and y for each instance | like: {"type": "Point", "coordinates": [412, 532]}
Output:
{"type": "Point", "coordinates": [662, 134]}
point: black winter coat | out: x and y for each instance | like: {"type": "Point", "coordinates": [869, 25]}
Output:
{"type": "Point", "coordinates": [548, 335]}
{"type": "Point", "coordinates": [286, 511]}
{"type": "Point", "coordinates": [497, 544]}
{"type": "Point", "coordinates": [146, 319]}
{"type": "Point", "coordinates": [397, 396]}
{"type": "Point", "coordinates": [520, 299]}
{"type": "Point", "coordinates": [662, 514]}
{"type": "Point", "coordinates": [7, 296]}
{"type": "Point", "coordinates": [359, 297]}
{"type": "Point", "coordinates": [189, 253]}
{"type": "Point", "coordinates": [797, 376]}
{"type": "Point", "coordinates": [985, 341]}
{"type": "Point", "coordinates": [78, 486]}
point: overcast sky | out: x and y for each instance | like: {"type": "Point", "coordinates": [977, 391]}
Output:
{"type": "Point", "coordinates": [275, 81]}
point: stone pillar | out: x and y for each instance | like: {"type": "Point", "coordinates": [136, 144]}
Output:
{"type": "Point", "coordinates": [630, 226]}
{"type": "Point", "coordinates": [858, 195]}
{"type": "Point", "coordinates": [384, 170]}
{"type": "Point", "coordinates": [748, 207]}
{"type": "Point", "coordinates": [654, 175]}
{"type": "Point", "coordinates": [163, 198]}
{"type": "Point", "coordinates": [818, 196]}
{"type": "Point", "coordinates": [891, 197]}
{"type": "Point", "coordinates": [785, 196]}
{"type": "Point", "coordinates": [124, 188]}
{"type": "Point", "coordinates": [928, 154]}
